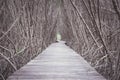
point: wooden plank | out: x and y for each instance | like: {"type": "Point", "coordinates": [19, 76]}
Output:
{"type": "Point", "coordinates": [57, 62]}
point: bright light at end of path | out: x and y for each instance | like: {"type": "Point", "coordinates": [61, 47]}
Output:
{"type": "Point", "coordinates": [58, 35]}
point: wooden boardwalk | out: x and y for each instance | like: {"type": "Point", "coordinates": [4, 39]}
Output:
{"type": "Point", "coordinates": [57, 62]}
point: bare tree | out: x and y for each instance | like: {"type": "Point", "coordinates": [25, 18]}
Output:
{"type": "Point", "coordinates": [91, 27]}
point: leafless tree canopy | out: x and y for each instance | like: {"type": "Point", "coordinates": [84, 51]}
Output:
{"type": "Point", "coordinates": [90, 27]}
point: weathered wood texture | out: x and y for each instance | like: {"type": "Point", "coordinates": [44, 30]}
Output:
{"type": "Point", "coordinates": [57, 62]}
{"type": "Point", "coordinates": [90, 27]}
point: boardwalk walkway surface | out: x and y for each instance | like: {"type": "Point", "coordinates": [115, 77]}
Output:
{"type": "Point", "coordinates": [57, 62]}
